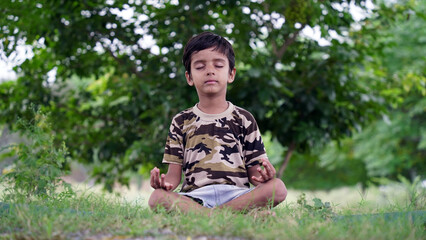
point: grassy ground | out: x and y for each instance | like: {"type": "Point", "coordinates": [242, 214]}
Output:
{"type": "Point", "coordinates": [93, 215]}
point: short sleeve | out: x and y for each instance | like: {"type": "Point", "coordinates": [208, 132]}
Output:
{"type": "Point", "coordinates": [173, 152]}
{"type": "Point", "coordinates": [254, 150]}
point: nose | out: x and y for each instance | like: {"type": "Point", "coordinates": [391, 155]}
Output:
{"type": "Point", "coordinates": [210, 70]}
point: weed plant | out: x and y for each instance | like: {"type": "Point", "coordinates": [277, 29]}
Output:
{"type": "Point", "coordinates": [39, 163]}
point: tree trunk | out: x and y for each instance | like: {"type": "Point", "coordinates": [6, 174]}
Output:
{"type": "Point", "coordinates": [286, 159]}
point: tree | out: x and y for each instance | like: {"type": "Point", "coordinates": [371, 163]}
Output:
{"type": "Point", "coordinates": [113, 95]}
{"type": "Point", "coordinates": [395, 144]}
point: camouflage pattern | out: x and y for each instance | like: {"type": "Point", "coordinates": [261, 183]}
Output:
{"type": "Point", "coordinates": [214, 148]}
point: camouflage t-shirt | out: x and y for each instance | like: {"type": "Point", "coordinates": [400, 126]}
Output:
{"type": "Point", "coordinates": [214, 148]}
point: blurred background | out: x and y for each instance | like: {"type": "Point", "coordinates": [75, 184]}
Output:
{"type": "Point", "coordinates": [337, 87]}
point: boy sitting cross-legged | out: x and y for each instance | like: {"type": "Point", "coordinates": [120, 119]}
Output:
{"type": "Point", "coordinates": [216, 144]}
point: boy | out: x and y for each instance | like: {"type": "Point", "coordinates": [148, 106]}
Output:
{"type": "Point", "coordinates": [217, 145]}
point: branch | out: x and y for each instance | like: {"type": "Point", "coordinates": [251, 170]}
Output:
{"type": "Point", "coordinates": [286, 44]}
{"type": "Point", "coordinates": [290, 151]}
{"type": "Point", "coordinates": [280, 52]}
{"type": "Point", "coordinates": [120, 61]}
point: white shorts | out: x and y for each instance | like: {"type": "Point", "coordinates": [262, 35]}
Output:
{"type": "Point", "coordinates": [215, 195]}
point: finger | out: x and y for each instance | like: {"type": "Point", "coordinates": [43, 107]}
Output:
{"type": "Point", "coordinates": [163, 181]}
{"type": "Point", "coordinates": [264, 162]}
{"type": "Point", "coordinates": [168, 186]}
{"type": "Point", "coordinates": [152, 177]}
{"type": "Point", "coordinates": [257, 179]}
{"type": "Point", "coordinates": [270, 170]}
{"type": "Point", "coordinates": [263, 174]}
{"type": "Point", "coordinates": [156, 178]}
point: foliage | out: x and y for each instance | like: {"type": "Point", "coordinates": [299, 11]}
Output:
{"type": "Point", "coordinates": [308, 171]}
{"type": "Point", "coordinates": [38, 169]}
{"type": "Point", "coordinates": [416, 193]}
{"type": "Point", "coordinates": [319, 208]}
{"type": "Point", "coordinates": [386, 148]}
{"type": "Point", "coordinates": [113, 94]}
{"type": "Point", "coordinates": [274, 149]}
{"type": "Point", "coordinates": [394, 145]}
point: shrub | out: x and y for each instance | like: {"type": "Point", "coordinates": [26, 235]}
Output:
{"type": "Point", "coordinates": [39, 162]}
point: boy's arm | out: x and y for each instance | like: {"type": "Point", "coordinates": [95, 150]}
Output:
{"type": "Point", "coordinates": [169, 181]}
{"type": "Point", "coordinates": [257, 175]}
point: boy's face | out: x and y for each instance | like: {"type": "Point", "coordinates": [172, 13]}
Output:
{"type": "Point", "coordinates": [210, 72]}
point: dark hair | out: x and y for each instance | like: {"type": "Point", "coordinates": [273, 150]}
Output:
{"type": "Point", "coordinates": [207, 40]}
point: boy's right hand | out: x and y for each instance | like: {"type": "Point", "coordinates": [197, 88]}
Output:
{"type": "Point", "coordinates": [159, 182]}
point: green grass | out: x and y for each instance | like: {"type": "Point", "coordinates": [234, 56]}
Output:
{"type": "Point", "coordinates": [101, 216]}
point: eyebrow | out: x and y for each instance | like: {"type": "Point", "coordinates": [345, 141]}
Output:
{"type": "Point", "coordinates": [214, 60]}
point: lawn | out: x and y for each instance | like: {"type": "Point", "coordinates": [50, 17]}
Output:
{"type": "Point", "coordinates": [348, 213]}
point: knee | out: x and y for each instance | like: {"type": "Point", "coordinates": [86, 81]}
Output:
{"type": "Point", "coordinates": [156, 198]}
{"type": "Point", "coordinates": [279, 190]}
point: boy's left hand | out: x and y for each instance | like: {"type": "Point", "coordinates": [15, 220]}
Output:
{"type": "Point", "coordinates": [266, 174]}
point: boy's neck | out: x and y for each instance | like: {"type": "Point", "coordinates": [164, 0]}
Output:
{"type": "Point", "coordinates": [213, 105]}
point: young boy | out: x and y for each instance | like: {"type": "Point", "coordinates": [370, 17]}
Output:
{"type": "Point", "coordinates": [217, 145]}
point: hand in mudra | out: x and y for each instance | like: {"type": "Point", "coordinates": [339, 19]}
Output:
{"type": "Point", "coordinates": [266, 174]}
{"type": "Point", "coordinates": [158, 181]}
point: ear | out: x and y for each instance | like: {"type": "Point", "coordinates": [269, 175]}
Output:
{"type": "Point", "coordinates": [189, 79]}
{"type": "Point", "coordinates": [231, 76]}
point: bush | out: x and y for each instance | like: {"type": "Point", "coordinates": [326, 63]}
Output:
{"type": "Point", "coordinates": [39, 162]}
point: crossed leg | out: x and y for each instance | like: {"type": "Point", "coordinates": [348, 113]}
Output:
{"type": "Point", "coordinates": [172, 201]}
{"type": "Point", "coordinates": [264, 195]}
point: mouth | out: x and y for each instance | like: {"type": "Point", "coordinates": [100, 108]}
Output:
{"type": "Point", "coordinates": [210, 82]}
